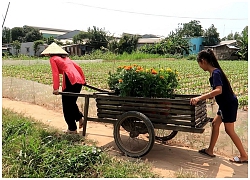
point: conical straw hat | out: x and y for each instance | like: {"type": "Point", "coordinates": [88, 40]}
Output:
{"type": "Point", "coordinates": [54, 49]}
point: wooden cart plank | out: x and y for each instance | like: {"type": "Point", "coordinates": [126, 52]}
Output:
{"type": "Point", "coordinates": [149, 104]}
{"type": "Point", "coordinates": [200, 114]}
{"type": "Point", "coordinates": [143, 99]}
{"type": "Point", "coordinates": [145, 109]}
{"type": "Point", "coordinates": [201, 119]}
{"type": "Point", "coordinates": [178, 128]}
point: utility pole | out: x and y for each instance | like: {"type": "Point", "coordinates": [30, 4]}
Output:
{"type": "Point", "coordinates": [5, 14]}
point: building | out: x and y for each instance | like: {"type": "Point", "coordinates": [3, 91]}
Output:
{"type": "Point", "coordinates": [77, 49]}
{"type": "Point", "coordinates": [147, 41]}
{"type": "Point", "coordinates": [48, 32]}
{"type": "Point", "coordinates": [195, 44]}
{"type": "Point", "coordinates": [28, 49]}
{"type": "Point", "coordinates": [68, 37]}
{"type": "Point", "coordinates": [225, 50]}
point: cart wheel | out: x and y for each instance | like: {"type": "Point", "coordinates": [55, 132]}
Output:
{"type": "Point", "coordinates": [134, 134]}
{"type": "Point", "coordinates": [164, 135]}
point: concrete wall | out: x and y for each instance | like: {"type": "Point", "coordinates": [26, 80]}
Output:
{"type": "Point", "coordinates": [28, 49]}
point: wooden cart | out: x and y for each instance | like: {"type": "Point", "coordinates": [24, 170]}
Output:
{"type": "Point", "coordinates": [139, 121]}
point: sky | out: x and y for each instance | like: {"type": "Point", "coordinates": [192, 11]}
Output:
{"type": "Point", "coordinates": [158, 17]}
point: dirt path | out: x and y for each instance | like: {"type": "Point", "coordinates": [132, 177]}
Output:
{"type": "Point", "coordinates": [165, 159]}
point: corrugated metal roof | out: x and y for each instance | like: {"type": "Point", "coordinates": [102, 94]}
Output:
{"type": "Point", "coordinates": [68, 35]}
{"type": "Point", "coordinates": [51, 32]}
{"type": "Point", "coordinates": [51, 29]}
{"type": "Point", "coordinates": [218, 45]}
{"type": "Point", "coordinates": [227, 42]}
{"type": "Point", "coordinates": [232, 47]}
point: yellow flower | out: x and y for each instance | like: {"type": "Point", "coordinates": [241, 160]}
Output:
{"type": "Point", "coordinates": [169, 70]}
{"type": "Point", "coordinates": [162, 77]}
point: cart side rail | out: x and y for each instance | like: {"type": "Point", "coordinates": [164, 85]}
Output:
{"type": "Point", "coordinates": [173, 114]}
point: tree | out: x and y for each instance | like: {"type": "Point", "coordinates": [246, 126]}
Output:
{"type": "Point", "coordinates": [26, 34]}
{"type": "Point", "coordinates": [173, 44]}
{"type": "Point", "coordinates": [36, 45]}
{"type": "Point", "coordinates": [237, 36]}
{"type": "Point", "coordinates": [191, 29]}
{"type": "Point", "coordinates": [50, 40]}
{"type": "Point", "coordinates": [17, 46]}
{"type": "Point", "coordinates": [58, 42]}
{"type": "Point", "coordinates": [31, 34]}
{"type": "Point", "coordinates": [211, 36]}
{"type": "Point", "coordinates": [243, 44]}
{"type": "Point", "coordinates": [18, 34]}
{"type": "Point", "coordinates": [97, 38]}
{"type": "Point", "coordinates": [113, 46]}
{"type": "Point", "coordinates": [231, 36]}
{"type": "Point", "coordinates": [127, 43]}
{"type": "Point", "coordinates": [6, 35]}
{"type": "Point", "coordinates": [79, 38]}
{"type": "Point", "coordinates": [176, 44]}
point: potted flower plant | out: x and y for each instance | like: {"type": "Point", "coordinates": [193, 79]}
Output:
{"type": "Point", "coordinates": [137, 81]}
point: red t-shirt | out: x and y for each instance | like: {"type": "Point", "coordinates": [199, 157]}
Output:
{"type": "Point", "coordinates": [66, 66]}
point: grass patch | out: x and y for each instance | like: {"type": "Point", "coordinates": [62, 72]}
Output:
{"type": "Point", "coordinates": [31, 150]}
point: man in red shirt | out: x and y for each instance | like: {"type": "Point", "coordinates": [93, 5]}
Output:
{"type": "Point", "coordinates": [73, 79]}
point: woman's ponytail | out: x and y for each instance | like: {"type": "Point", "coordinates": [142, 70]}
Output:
{"type": "Point", "coordinates": [209, 56]}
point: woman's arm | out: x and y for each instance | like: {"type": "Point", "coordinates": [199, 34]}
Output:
{"type": "Point", "coordinates": [213, 93]}
{"type": "Point", "coordinates": [55, 74]}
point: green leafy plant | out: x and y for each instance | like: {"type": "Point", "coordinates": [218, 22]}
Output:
{"type": "Point", "coordinates": [139, 82]}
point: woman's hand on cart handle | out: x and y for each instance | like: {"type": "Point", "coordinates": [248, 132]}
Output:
{"type": "Point", "coordinates": [194, 101]}
{"type": "Point", "coordinates": [56, 92]}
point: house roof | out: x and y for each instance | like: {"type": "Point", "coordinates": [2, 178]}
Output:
{"type": "Point", "coordinates": [150, 36]}
{"type": "Point", "coordinates": [218, 45]}
{"type": "Point", "coordinates": [227, 42]}
{"type": "Point", "coordinates": [232, 47]}
{"type": "Point", "coordinates": [149, 40]}
{"type": "Point", "coordinates": [50, 29]}
{"type": "Point", "coordinates": [68, 35]}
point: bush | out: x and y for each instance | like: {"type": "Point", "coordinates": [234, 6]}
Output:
{"type": "Point", "coordinates": [139, 82]}
{"type": "Point", "coordinates": [192, 57]}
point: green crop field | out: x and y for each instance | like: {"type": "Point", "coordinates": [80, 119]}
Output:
{"type": "Point", "coordinates": [193, 80]}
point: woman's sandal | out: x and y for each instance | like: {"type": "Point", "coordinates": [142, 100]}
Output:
{"type": "Point", "coordinates": [203, 152]}
{"type": "Point", "coordinates": [236, 159]}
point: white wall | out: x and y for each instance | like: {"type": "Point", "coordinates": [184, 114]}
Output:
{"type": "Point", "coordinates": [29, 45]}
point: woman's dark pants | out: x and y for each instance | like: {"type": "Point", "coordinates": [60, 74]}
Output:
{"type": "Point", "coordinates": [70, 109]}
